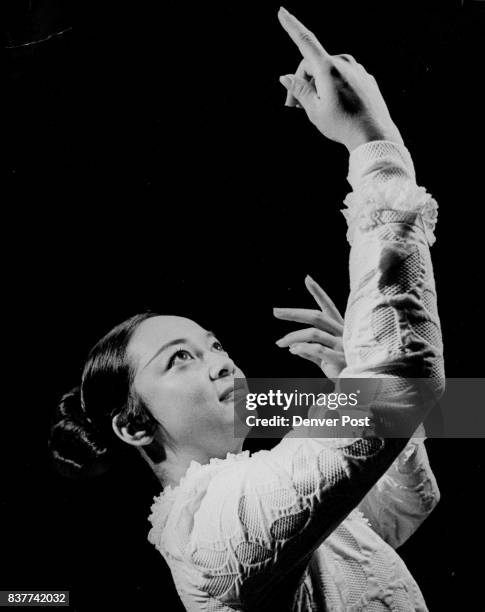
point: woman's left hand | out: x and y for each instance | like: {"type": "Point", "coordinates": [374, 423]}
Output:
{"type": "Point", "coordinates": [322, 342]}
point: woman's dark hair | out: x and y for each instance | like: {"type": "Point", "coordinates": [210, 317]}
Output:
{"type": "Point", "coordinates": [82, 440]}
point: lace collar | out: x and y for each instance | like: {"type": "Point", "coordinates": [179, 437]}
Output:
{"type": "Point", "coordinates": [162, 503]}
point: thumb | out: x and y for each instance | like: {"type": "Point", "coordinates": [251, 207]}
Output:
{"type": "Point", "coordinates": [303, 91]}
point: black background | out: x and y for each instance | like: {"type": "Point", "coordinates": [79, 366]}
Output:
{"type": "Point", "coordinates": [152, 164]}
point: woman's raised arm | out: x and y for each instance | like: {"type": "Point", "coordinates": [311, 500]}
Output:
{"type": "Point", "coordinates": [250, 526]}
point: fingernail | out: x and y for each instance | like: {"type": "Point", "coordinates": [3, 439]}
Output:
{"type": "Point", "coordinates": [276, 309]}
{"type": "Point", "coordinates": [308, 277]}
{"type": "Point", "coordinates": [282, 8]}
{"type": "Point", "coordinates": [279, 343]}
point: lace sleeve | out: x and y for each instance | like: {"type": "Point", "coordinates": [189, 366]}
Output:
{"type": "Point", "coordinates": [259, 521]}
{"type": "Point", "coordinates": [404, 496]}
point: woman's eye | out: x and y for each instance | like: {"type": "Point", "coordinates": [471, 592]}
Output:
{"type": "Point", "coordinates": [218, 346]}
{"type": "Point", "coordinates": [179, 357]}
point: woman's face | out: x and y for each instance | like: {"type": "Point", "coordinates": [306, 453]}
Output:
{"type": "Point", "coordinates": [186, 378]}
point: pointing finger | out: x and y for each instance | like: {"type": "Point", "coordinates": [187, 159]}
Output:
{"type": "Point", "coordinates": [305, 40]}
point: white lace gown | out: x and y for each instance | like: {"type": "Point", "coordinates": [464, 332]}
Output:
{"type": "Point", "coordinates": [313, 524]}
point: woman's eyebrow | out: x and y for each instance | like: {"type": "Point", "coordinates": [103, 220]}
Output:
{"type": "Point", "coordinates": [208, 334]}
{"type": "Point", "coordinates": [165, 346]}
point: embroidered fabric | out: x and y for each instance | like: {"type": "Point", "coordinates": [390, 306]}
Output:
{"type": "Point", "coordinates": [311, 524]}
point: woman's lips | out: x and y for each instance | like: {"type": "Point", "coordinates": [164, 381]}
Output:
{"type": "Point", "coordinates": [227, 395]}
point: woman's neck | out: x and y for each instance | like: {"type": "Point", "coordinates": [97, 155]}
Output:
{"type": "Point", "coordinates": [171, 470]}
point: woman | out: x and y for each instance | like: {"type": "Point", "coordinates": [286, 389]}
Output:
{"type": "Point", "coordinates": [313, 523]}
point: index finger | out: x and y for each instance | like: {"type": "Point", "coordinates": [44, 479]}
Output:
{"type": "Point", "coordinates": [305, 40]}
{"type": "Point", "coordinates": [322, 299]}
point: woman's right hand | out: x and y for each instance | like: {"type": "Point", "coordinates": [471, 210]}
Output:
{"type": "Point", "coordinates": [339, 96]}
{"type": "Point", "coordinates": [322, 342]}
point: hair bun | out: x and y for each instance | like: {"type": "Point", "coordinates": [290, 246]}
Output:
{"type": "Point", "coordinates": [76, 447]}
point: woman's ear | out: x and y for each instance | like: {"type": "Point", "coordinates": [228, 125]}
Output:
{"type": "Point", "coordinates": [139, 438]}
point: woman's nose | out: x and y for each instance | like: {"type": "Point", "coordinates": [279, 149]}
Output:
{"type": "Point", "coordinates": [221, 366]}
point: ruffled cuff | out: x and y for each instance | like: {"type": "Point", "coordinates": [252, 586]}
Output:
{"type": "Point", "coordinates": [382, 176]}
